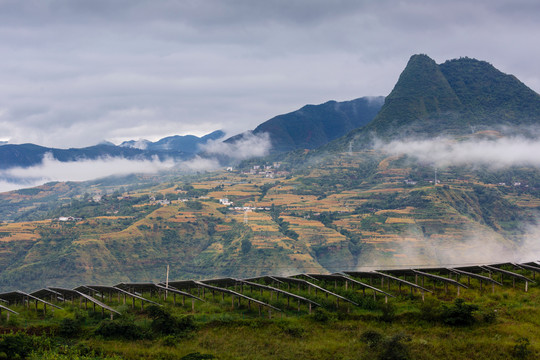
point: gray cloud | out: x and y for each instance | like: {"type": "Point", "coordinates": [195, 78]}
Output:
{"type": "Point", "coordinates": [77, 72]}
{"type": "Point", "coordinates": [51, 169]}
{"type": "Point", "coordinates": [248, 146]}
{"type": "Point", "coordinates": [442, 152]}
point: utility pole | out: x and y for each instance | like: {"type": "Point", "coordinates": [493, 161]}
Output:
{"type": "Point", "coordinates": [167, 282]}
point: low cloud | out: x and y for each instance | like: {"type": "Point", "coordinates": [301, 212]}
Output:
{"type": "Point", "coordinates": [248, 146]}
{"type": "Point", "coordinates": [442, 152]}
{"type": "Point", "coordinates": [477, 246]}
{"type": "Point", "coordinates": [200, 164]}
{"type": "Point", "coordinates": [16, 184]}
{"type": "Point", "coordinates": [52, 169]}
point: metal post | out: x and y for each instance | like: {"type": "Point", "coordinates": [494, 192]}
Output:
{"type": "Point", "coordinates": [167, 282]}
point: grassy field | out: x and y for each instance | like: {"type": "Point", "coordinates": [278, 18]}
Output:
{"type": "Point", "coordinates": [504, 324]}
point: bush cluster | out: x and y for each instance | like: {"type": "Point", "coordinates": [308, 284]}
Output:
{"type": "Point", "coordinates": [458, 314]}
{"type": "Point", "coordinates": [164, 323]}
{"type": "Point", "coordinates": [119, 329]}
{"type": "Point", "coordinates": [387, 347]}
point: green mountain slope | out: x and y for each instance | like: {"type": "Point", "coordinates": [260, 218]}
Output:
{"type": "Point", "coordinates": [457, 97]}
{"type": "Point", "coordinates": [492, 96]}
{"type": "Point", "coordinates": [315, 125]}
{"type": "Point", "coordinates": [422, 91]}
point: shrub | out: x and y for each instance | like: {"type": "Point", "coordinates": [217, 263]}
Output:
{"type": "Point", "coordinates": [69, 328]}
{"type": "Point", "coordinates": [119, 329]}
{"type": "Point", "coordinates": [521, 348]}
{"type": "Point", "coordinates": [372, 338]}
{"type": "Point", "coordinates": [197, 356]}
{"type": "Point", "coordinates": [489, 317]}
{"type": "Point", "coordinates": [15, 346]}
{"type": "Point", "coordinates": [323, 316]}
{"type": "Point", "coordinates": [459, 314]}
{"type": "Point", "coordinates": [366, 302]}
{"type": "Point", "coordinates": [388, 312]}
{"type": "Point", "coordinates": [169, 340]}
{"type": "Point", "coordinates": [430, 309]}
{"type": "Point", "coordinates": [292, 329]}
{"type": "Point", "coordinates": [163, 322]}
{"type": "Point", "coordinates": [394, 348]}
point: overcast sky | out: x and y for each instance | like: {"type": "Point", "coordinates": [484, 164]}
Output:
{"type": "Point", "coordinates": [73, 73]}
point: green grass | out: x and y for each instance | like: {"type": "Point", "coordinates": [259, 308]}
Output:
{"type": "Point", "coordinates": [407, 329]}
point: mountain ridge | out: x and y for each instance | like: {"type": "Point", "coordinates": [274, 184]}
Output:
{"type": "Point", "coordinates": [186, 143]}
{"type": "Point", "coordinates": [177, 147]}
{"type": "Point", "coordinates": [315, 125]}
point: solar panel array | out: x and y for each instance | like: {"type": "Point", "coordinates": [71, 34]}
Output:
{"type": "Point", "coordinates": [305, 290]}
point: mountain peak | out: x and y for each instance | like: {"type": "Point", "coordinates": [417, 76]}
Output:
{"type": "Point", "coordinates": [432, 99]}
{"type": "Point", "coordinates": [422, 89]}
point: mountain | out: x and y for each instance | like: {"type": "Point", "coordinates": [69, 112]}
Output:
{"type": "Point", "coordinates": [24, 155]}
{"type": "Point", "coordinates": [459, 96]}
{"type": "Point", "coordinates": [315, 125]}
{"type": "Point", "coordinates": [307, 211]}
{"type": "Point", "coordinates": [178, 147]}
{"type": "Point", "coordinates": [186, 143]}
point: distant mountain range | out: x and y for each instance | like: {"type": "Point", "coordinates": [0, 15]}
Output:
{"type": "Point", "coordinates": [178, 147]}
{"type": "Point", "coordinates": [187, 143]}
{"type": "Point", "coordinates": [459, 96]}
{"type": "Point", "coordinates": [315, 125]}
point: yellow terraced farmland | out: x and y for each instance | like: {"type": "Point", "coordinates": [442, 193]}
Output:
{"type": "Point", "coordinates": [313, 232]}
{"type": "Point", "coordinates": [395, 220]}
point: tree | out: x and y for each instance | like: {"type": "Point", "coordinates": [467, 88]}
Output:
{"type": "Point", "coordinates": [246, 246]}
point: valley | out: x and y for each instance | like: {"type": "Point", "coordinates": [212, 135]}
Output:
{"type": "Point", "coordinates": [341, 212]}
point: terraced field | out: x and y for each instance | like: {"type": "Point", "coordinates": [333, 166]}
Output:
{"type": "Point", "coordinates": [343, 212]}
